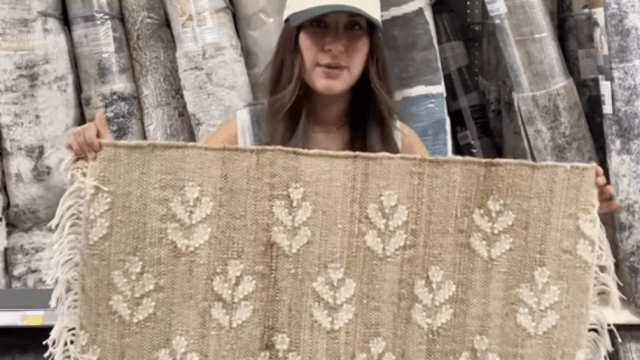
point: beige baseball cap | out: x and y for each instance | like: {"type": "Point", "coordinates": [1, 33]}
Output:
{"type": "Point", "coordinates": [299, 11]}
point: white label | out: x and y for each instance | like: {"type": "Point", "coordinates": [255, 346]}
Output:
{"type": "Point", "coordinates": [588, 63]}
{"type": "Point", "coordinates": [92, 38]}
{"type": "Point", "coordinates": [496, 7]}
{"type": "Point", "coordinates": [607, 97]}
{"type": "Point", "coordinates": [22, 42]}
{"type": "Point", "coordinates": [453, 55]}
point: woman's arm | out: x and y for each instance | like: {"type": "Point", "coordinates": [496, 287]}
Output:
{"type": "Point", "coordinates": [225, 135]}
{"type": "Point", "coordinates": [411, 143]}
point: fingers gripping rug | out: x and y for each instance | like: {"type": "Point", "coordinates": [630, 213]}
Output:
{"type": "Point", "coordinates": [180, 252]}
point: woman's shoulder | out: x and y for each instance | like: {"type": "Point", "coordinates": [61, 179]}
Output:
{"type": "Point", "coordinates": [411, 142]}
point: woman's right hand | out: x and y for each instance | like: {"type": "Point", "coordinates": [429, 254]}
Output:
{"type": "Point", "coordinates": [84, 141]}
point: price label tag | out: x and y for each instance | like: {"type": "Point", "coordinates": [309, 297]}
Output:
{"type": "Point", "coordinates": [496, 7]}
{"type": "Point", "coordinates": [607, 97]}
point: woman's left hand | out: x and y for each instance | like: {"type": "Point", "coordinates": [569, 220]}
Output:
{"type": "Point", "coordinates": [606, 196]}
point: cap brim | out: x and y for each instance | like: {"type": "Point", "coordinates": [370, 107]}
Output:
{"type": "Point", "coordinates": [300, 17]}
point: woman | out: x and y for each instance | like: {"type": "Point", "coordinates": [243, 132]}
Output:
{"type": "Point", "coordinates": [329, 89]}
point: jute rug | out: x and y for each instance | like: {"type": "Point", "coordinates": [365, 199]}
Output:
{"type": "Point", "coordinates": [176, 251]}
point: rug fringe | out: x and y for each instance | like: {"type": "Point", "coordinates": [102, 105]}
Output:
{"type": "Point", "coordinates": [66, 339]}
{"type": "Point", "coordinates": [605, 295]}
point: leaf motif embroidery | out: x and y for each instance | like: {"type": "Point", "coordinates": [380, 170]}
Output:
{"type": "Point", "coordinates": [336, 291]}
{"type": "Point", "coordinates": [98, 222]}
{"type": "Point", "coordinates": [281, 343]}
{"type": "Point", "coordinates": [291, 234]}
{"type": "Point", "coordinates": [377, 348]}
{"type": "Point", "coordinates": [82, 339]}
{"type": "Point", "coordinates": [189, 212]}
{"type": "Point", "coordinates": [537, 318]}
{"type": "Point", "coordinates": [132, 289]}
{"type": "Point", "coordinates": [585, 248]}
{"type": "Point", "coordinates": [491, 226]}
{"type": "Point", "coordinates": [387, 237]}
{"type": "Point", "coordinates": [179, 347]}
{"type": "Point", "coordinates": [431, 312]}
{"type": "Point", "coordinates": [233, 289]}
{"type": "Point", "coordinates": [480, 350]}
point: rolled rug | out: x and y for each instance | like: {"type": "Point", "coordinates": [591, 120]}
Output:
{"type": "Point", "coordinates": [259, 24]}
{"type": "Point", "coordinates": [546, 97]}
{"type": "Point", "coordinates": [210, 63]}
{"type": "Point", "coordinates": [469, 121]}
{"type": "Point", "coordinates": [577, 26]}
{"type": "Point", "coordinates": [29, 256]}
{"type": "Point", "coordinates": [622, 132]}
{"type": "Point", "coordinates": [416, 74]}
{"type": "Point", "coordinates": [4, 276]}
{"type": "Point", "coordinates": [38, 105]}
{"type": "Point", "coordinates": [497, 93]}
{"type": "Point", "coordinates": [104, 66]}
{"type": "Point", "coordinates": [153, 55]}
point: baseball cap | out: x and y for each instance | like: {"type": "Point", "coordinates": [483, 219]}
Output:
{"type": "Point", "coordinates": [300, 11]}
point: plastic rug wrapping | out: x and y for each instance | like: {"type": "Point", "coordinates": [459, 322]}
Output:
{"type": "Point", "coordinates": [153, 55]}
{"type": "Point", "coordinates": [38, 105]}
{"type": "Point", "coordinates": [104, 66]}
{"type": "Point", "coordinates": [277, 253]}
{"type": "Point", "coordinates": [416, 75]}
{"type": "Point", "coordinates": [622, 131]}
{"type": "Point", "coordinates": [539, 76]}
{"type": "Point", "coordinates": [259, 24]}
{"type": "Point", "coordinates": [210, 63]}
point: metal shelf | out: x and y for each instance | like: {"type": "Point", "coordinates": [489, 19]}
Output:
{"type": "Point", "coordinates": [26, 308]}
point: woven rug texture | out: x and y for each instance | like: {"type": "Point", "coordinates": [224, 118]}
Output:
{"type": "Point", "coordinates": [178, 252]}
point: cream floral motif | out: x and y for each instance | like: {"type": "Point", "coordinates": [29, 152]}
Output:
{"type": "Point", "coordinates": [233, 288]}
{"type": "Point", "coordinates": [98, 213]}
{"type": "Point", "coordinates": [291, 234]}
{"type": "Point", "coordinates": [480, 350]}
{"type": "Point", "coordinates": [585, 248]}
{"type": "Point", "coordinates": [281, 344]}
{"type": "Point", "coordinates": [492, 225]}
{"type": "Point", "coordinates": [82, 339]}
{"type": "Point", "coordinates": [132, 287]}
{"type": "Point", "coordinates": [431, 312]}
{"type": "Point", "coordinates": [179, 345]}
{"type": "Point", "coordinates": [539, 300]}
{"type": "Point", "coordinates": [388, 236]}
{"type": "Point", "coordinates": [377, 348]}
{"type": "Point", "coordinates": [189, 233]}
{"type": "Point", "coordinates": [335, 290]}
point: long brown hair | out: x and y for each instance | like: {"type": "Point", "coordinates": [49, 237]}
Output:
{"type": "Point", "coordinates": [373, 111]}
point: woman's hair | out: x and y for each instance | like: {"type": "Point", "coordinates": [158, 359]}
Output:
{"type": "Point", "coordinates": [373, 113]}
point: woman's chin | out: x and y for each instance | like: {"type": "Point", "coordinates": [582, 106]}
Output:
{"type": "Point", "coordinates": [331, 89]}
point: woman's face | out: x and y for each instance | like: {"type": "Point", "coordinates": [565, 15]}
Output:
{"type": "Point", "coordinates": [334, 51]}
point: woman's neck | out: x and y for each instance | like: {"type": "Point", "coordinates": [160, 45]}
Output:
{"type": "Point", "coordinates": [329, 112]}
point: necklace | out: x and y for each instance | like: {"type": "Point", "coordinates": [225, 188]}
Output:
{"type": "Point", "coordinates": [328, 129]}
